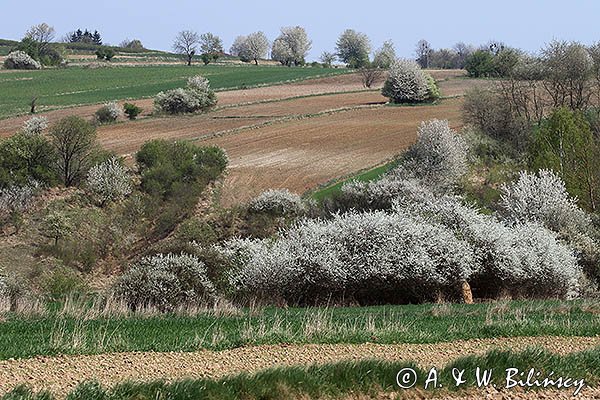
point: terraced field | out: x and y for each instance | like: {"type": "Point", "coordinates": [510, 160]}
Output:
{"type": "Point", "coordinates": [296, 135]}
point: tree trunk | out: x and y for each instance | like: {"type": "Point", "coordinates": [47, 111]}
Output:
{"type": "Point", "coordinates": [467, 295]}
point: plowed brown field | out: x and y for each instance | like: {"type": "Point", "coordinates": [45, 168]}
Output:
{"type": "Point", "coordinates": [294, 136]}
{"type": "Point", "coordinates": [300, 155]}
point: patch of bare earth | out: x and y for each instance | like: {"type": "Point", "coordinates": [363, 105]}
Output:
{"type": "Point", "coordinates": [59, 374]}
{"type": "Point", "coordinates": [301, 154]}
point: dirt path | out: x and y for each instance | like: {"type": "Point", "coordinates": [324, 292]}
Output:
{"type": "Point", "coordinates": [60, 374]}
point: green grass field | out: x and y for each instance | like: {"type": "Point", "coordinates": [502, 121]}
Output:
{"type": "Point", "coordinates": [75, 86]}
{"type": "Point", "coordinates": [52, 333]}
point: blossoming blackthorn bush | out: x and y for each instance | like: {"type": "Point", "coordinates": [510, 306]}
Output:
{"type": "Point", "coordinates": [277, 202]}
{"type": "Point", "coordinates": [166, 282]}
{"type": "Point", "coordinates": [20, 60]}
{"type": "Point", "coordinates": [197, 96]}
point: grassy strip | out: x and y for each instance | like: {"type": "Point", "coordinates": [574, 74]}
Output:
{"type": "Point", "coordinates": [57, 88]}
{"type": "Point", "coordinates": [339, 380]}
{"type": "Point", "coordinates": [330, 189]}
{"type": "Point", "coordinates": [76, 332]}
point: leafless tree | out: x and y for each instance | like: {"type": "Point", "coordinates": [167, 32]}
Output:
{"type": "Point", "coordinates": [423, 51]}
{"type": "Point", "coordinates": [370, 76]}
{"type": "Point", "coordinates": [327, 58]}
{"type": "Point", "coordinates": [186, 43]}
{"type": "Point", "coordinates": [42, 34]}
{"type": "Point", "coordinates": [568, 69]}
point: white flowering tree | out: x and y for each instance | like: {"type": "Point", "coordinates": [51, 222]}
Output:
{"type": "Point", "coordinates": [20, 60]}
{"type": "Point", "coordinates": [14, 200]}
{"type": "Point", "coordinates": [257, 46]}
{"type": "Point", "coordinates": [291, 46]}
{"type": "Point", "coordinates": [407, 83]}
{"type": "Point", "coordinates": [109, 181]}
{"type": "Point", "coordinates": [35, 126]}
{"type": "Point", "coordinates": [277, 202]}
{"type": "Point", "coordinates": [385, 56]}
{"type": "Point", "coordinates": [196, 96]}
{"type": "Point", "coordinates": [543, 198]}
{"type": "Point", "coordinates": [353, 48]}
{"type": "Point", "coordinates": [251, 48]}
{"type": "Point", "coordinates": [439, 157]}
{"type": "Point", "coordinates": [109, 112]}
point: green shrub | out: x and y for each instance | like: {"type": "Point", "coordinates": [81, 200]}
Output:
{"type": "Point", "coordinates": [105, 53]}
{"type": "Point", "coordinates": [164, 165]}
{"type": "Point", "coordinates": [25, 157]}
{"type": "Point", "coordinates": [74, 140]}
{"type": "Point", "coordinates": [131, 110]}
{"type": "Point", "coordinates": [480, 64]}
{"type": "Point", "coordinates": [63, 282]}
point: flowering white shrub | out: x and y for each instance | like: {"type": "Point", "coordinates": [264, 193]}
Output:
{"type": "Point", "coordinates": [17, 198]}
{"type": "Point", "coordinates": [20, 60]}
{"type": "Point", "coordinates": [35, 126]}
{"type": "Point", "coordinates": [109, 112]}
{"type": "Point", "coordinates": [166, 282]}
{"type": "Point", "coordinates": [524, 259]}
{"type": "Point", "coordinates": [277, 202]}
{"type": "Point", "coordinates": [542, 197]}
{"type": "Point", "coordinates": [197, 96]}
{"type": "Point", "coordinates": [362, 255]}
{"type": "Point", "coordinates": [381, 194]}
{"type": "Point", "coordinates": [109, 181]}
{"type": "Point", "coordinates": [423, 245]}
{"type": "Point", "coordinates": [406, 83]}
{"type": "Point", "coordinates": [439, 157]}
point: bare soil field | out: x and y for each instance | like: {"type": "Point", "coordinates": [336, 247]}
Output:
{"type": "Point", "coordinates": [59, 374]}
{"type": "Point", "coordinates": [277, 137]}
{"type": "Point", "coordinates": [301, 154]}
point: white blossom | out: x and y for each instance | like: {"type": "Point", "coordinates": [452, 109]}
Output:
{"type": "Point", "coordinates": [17, 198]}
{"type": "Point", "coordinates": [20, 60]}
{"type": "Point", "coordinates": [109, 181]}
{"type": "Point", "coordinates": [197, 96]}
{"type": "Point", "coordinates": [166, 282]}
{"type": "Point", "coordinates": [35, 126]}
{"type": "Point", "coordinates": [423, 244]}
{"type": "Point", "coordinates": [406, 83]}
{"type": "Point", "coordinates": [252, 47]}
{"type": "Point", "coordinates": [353, 48]}
{"type": "Point", "coordinates": [291, 46]}
{"type": "Point", "coordinates": [439, 157]}
{"type": "Point", "coordinates": [542, 197]}
{"type": "Point", "coordinates": [277, 202]}
{"type": "Point", "coordinates": [385, 56]}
